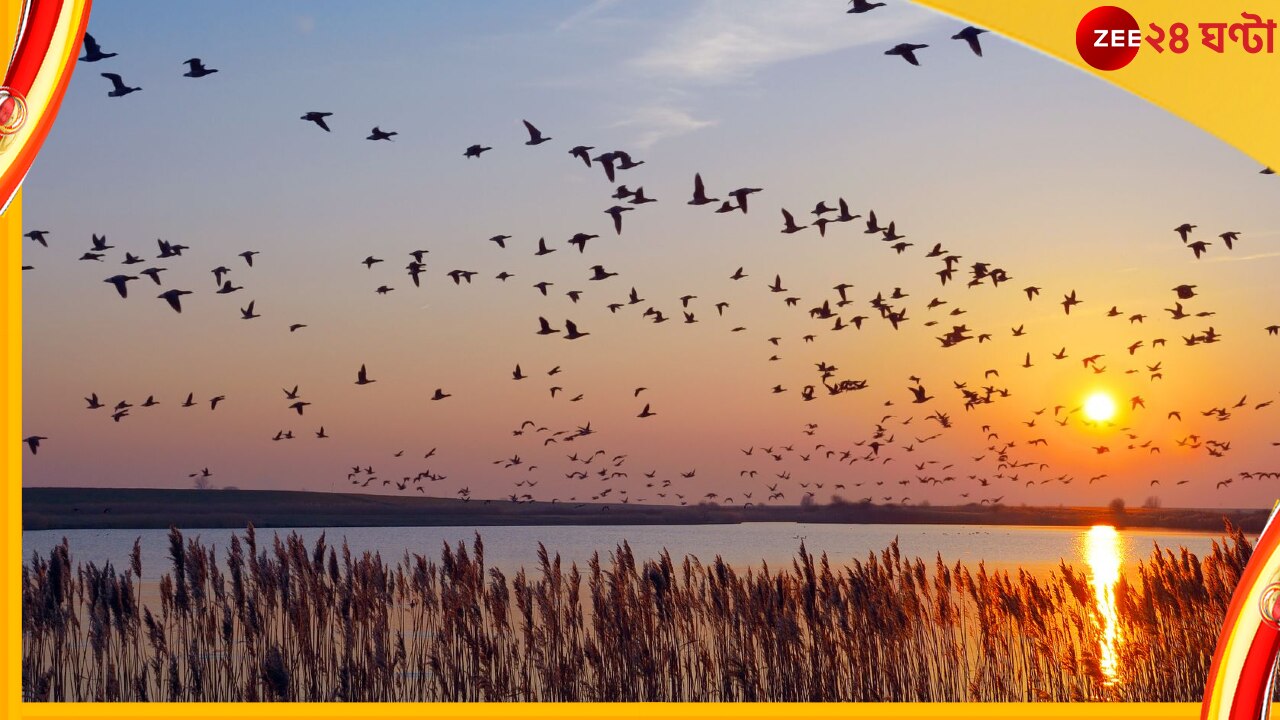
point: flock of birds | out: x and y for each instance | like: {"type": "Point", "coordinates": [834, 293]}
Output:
{"type": "Point", "coordinates": [914, 413]}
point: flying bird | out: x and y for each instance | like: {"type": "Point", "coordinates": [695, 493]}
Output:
{"type": "Point", "coordinates": [120, 282]}
{"type": "Point", "coordinates": [118, 88]}
{"type": "Point", "coordinates": [196, 68]}
{"type": "Point", "coordinates": [535, 135]}
{"type": "Point", "coordinates": [318, 118]}
{"type": "Point", "coordinates": [174, 298]}
{"type": "Point", "coordinates": [907, 51]}
{"type": "Point", "coordinates": [970, 35]}
{"type": "Point", "coordinates": [861, 6]}
{"type": "Point", "coordinates": [93, 51]}
{"type": "Point", "coordinates": [700, 192]}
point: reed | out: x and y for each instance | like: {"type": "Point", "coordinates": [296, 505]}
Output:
{"type": "Point", "coordinates": [288, 622]}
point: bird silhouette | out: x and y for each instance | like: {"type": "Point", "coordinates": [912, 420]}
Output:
{"type": "Point", "coordinates": [862, 6]}
{"type": "Point", "coordinates": [907, 51]}
{"type": "Point", "coordinates": [118, 88]}
{"type": "Point", "coordinates": [318, 118]}
{"type": "Point", "coordinates": [196, 69]}
{"type": "Point", "coordinates": [121, 281]}
{"type": "Point", "coordinates": [970, 35]}
{"type": "Point", "coordinates": [93, 51]}
{"type": "Point", "coordinates": [535, 136]}
{"type": "Point", "coordinates": [616, 213]}
{"type": "Point", "coordinates": [174, 298]}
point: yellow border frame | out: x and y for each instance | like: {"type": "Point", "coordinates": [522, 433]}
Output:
{"type": "Point", "coordinates": [1222, 94]}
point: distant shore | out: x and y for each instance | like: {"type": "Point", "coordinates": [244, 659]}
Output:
{"type": "Point", "coordinates": [48, 508]}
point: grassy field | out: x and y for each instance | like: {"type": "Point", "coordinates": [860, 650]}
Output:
{"type": "Point", "coordinates": [92, 508]}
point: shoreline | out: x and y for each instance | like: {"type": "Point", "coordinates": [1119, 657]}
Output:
{"type": "Point", "coordinates": [57, 508]}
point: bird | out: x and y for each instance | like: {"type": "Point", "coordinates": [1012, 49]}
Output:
{"type": "Point", "coordinates": [616, 212]}
{"type": "Point", "coordinates": [545, 327]}
{"type": "Point", "coordinates": [196, 69]}
{"type": "Point", "coordinates": [599, 273]}
{"type": "Point", "coordinates": [1184, 230]}
{"type": "Point", "coordinates": [582, 152]}
{"type": "Point", "coordinates": [38, 236]}
{"type": "Point", "coordinates": [247, 313]}
{"type": "Point", "coordinates": [120, 282]}
{"type": "Point", "coordinates": [33, 442]}
{"type": "Point", "coordinates": [700, 193]}
{"type": "Point", "coordinates": [646, 412]}
{"type": "Point", "coordinates": [970, 35]}
{"type": "Point", "coordinates": [535, 135]}
{"type": "Point", "coordinates": [440, 394]}
{"type": "Point", "coordinates": [299, 405]}
{"type": "Point", "coordinates": [380, 134]}
{"type": "Point", "coordinates": [474, 151]}
{"type": "Point", "coordinates": [362, 376]}
{"type": "Point", "coordinates": [861, 6]}
{"type": "Point", "coordinates": [580, 241]}
{"type": "Point", "coordinates": [93, 51]}
{"type": "Point", "coordinates": [907, 51]}
{"type": "Point", "coordinates": [174, 298]}
{"type": "Point", "coordinates": [790, 223]}
{"type": "Point", "coordinates": [118, 88]}
{"type": "Point", "coordinates": [1070, 301]}
{"type": "Point", "coordinates": [571, 331]}
{"type": "Point", "coordinates": [318, 118]}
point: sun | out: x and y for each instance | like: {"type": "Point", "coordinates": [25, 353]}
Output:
{"type": "Point", "coordinates": [1099, 407]}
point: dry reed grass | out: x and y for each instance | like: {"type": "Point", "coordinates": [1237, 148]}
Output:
{"type": "Point", "coordinates": [288, 622]}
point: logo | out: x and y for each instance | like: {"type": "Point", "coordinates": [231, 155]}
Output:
{"type": "Point", "coordinates": [1108, 37]}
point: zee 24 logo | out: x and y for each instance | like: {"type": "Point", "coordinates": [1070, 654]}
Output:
{"type": "Point", "coordinates": [1108, 37]}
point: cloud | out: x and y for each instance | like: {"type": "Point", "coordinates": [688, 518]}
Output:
{"type": "Point", "coordinates": [591, 10]}
{"type": "Point", "coordinates": [725, 40]}
{"type": "Point", "coordinates": [1242, 258]}
{"type": "Point", "coordinates": [657, 122]}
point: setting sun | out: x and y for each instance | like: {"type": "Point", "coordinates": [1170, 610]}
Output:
{"type": "Point", "coordinates": [1099, 407]}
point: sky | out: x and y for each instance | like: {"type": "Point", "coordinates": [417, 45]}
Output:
{"type": "Point", "coordinates": [1011, 159]}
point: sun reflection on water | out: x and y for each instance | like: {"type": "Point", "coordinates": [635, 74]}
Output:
{"type": "Point", "coordinates": [1104, 556]}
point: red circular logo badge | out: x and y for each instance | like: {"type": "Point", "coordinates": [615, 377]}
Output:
{"type": "Point", "coordinates": [1108, 37]}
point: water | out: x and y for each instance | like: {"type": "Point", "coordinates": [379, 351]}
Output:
{"type": "Point", "coordinates": [1037, 549]}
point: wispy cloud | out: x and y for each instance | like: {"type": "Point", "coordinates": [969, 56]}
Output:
{"type": "Point", "coordinates": [591, 10]}
{"type": "Point", "coordinates": [725, 40]}
{"type": "Point", "coordinates": [1243, 258]}
{"type": "Point", "coordinates": [657, 122]}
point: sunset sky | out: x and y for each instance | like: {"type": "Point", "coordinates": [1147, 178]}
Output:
{"type": "Point", "coordinates": [1012, 159]}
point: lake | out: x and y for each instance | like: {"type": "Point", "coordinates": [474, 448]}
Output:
{"type": "Point", "coordinates": [1037, 549]}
